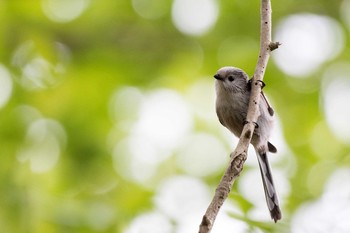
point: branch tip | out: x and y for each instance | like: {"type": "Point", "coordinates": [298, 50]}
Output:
{"type": "Point", "coordinates": [274, 45]}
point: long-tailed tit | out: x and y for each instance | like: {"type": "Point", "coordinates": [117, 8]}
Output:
{"type": "Point", "coordinates": [232, 100]}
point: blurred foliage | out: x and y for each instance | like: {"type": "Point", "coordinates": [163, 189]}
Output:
{"type": "Point", "coordinates": [84, 61]}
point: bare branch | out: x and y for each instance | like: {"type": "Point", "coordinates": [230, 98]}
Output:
{"type": "Point", "coordinates": [239, 156]}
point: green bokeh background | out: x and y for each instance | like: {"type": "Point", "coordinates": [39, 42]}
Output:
{"type": "Point", "coordinates": [109, 46]}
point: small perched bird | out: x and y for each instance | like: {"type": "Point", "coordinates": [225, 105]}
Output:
{"type": "Point", "coordinates": [232, 100]}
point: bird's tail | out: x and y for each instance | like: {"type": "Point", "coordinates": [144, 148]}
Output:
{"type": "Point", "coordinates": [269, 188]}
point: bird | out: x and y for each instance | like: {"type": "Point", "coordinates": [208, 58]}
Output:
{"type": "Point", "coordinates": [233, 89]}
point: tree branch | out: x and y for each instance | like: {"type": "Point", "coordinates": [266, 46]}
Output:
{"type": "Point", "coordinates": [239, 155]}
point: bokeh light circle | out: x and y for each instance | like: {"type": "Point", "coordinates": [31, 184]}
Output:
{"type": "Point", "coordinates": [308, 41]}
{"type": "Point", "coordinates": [164, 119]}
{"type": "Point", "coordinates": [150, 9]}
{"type": "Point", "coordinates": [35, 70]}
{"type": "Point", "coordinates": [44, 142]}
{"type": "Point", "coordinates": [194, 17]}
{"type": "Point", "coordinates": [152, 222]}
{"type": "Point", "coordinates": [205, 148]}
{"type": "Point", "coordinates": [330, 213]}
{"type": "Point", "coordinates": [5, 85]}
{"type": "Point", "coordinates": [64, 10]}
{"type": "Point", "coordinates": [336, 95]}
{"type": "Point", "coordinates": [181, 196]}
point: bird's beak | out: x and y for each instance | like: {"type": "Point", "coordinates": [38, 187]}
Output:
{"type": "Point", "coordinates": [218, 77]}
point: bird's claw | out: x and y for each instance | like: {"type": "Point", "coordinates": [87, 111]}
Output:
{"type": "Point", "coordinates": [262, 83]}
{"type": "Point", "coordinates": [256, 124]}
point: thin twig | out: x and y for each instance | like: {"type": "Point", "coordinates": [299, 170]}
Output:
{"type": "Point", "coordinates": [239, 156]}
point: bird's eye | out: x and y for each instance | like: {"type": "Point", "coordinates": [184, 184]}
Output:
{"type": "Point", "coordinates": [231, 78]}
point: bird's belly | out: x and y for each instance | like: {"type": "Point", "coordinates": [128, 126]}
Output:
{"type": "Point", "coordinates": [232, 119]}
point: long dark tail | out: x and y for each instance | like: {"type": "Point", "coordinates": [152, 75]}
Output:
{"type": "Point", "coordinates": [270, 191]}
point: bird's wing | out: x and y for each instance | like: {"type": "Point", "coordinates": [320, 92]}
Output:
{"type": "Point", "coordinates": [269, 108]}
